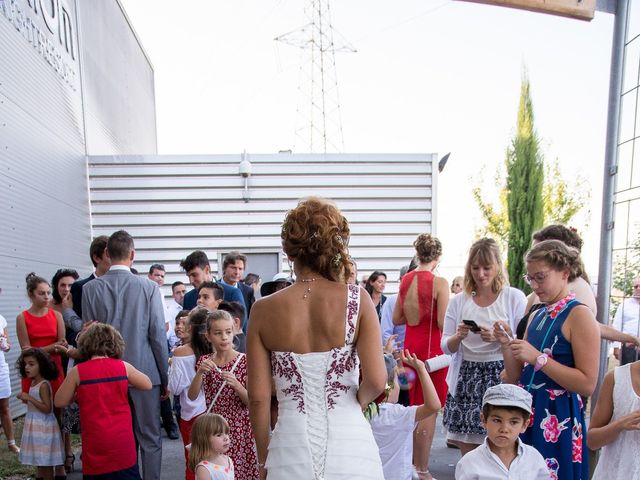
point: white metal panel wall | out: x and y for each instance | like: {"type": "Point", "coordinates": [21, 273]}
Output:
{"type": "Point", "coordinates": [118, 82]}
{"type": "Point", "coordinates": [44, 207]}
{"type": "Point", "coordinates": [175, 204]}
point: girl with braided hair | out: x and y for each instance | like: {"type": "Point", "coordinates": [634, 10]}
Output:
{"type": "Point", "coordinates": [557, 361]}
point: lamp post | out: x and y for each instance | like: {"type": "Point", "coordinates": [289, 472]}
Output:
{"type": "Point", "coordinates": [244, 169]}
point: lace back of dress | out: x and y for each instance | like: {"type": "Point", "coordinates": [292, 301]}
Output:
{"type": "Point", "coordinates": [317, 374]}
{"type": "Point", "coordinates": [316, 417]}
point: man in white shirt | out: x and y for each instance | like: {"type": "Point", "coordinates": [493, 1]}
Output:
{"type": "Point", "coordinates": [234, 265]}
{"type": "Point", "coordinates": [505, 414]}
{"type": "Point", "coordinates": [627, 320]}
{"type": "Point", "coordinates": [156, 274]}
{"type": "Point", "coordinates": [173, 307]}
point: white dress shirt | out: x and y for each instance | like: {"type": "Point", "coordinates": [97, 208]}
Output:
{"type": "Point", "coordinates": [482, 464]}
{"type": "Point", "coordinates": [387, 328]}
{"type": "Point", "coordinates": [171, 308]}
{"type": "Point", "coordinates": [627, 318]}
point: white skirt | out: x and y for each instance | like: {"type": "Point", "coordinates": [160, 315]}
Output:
{"type": "Point", "coordinates": [5, 381]}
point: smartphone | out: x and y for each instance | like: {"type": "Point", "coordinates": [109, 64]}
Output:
{"type": "Point", "coordinates": [472, 323]}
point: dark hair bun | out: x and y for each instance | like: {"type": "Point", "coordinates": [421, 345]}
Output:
{"type": "Point", "coordinates": [427, 247]}
{"type": "Point", "coordinates": [33, 281]}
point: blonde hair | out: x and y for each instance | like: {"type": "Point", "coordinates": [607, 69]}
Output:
{"type": "Point", "coordinates": [204, 427]}
{"type": "Point", "coordinates": [485, 252]}
{"type": "Point", "coordinates": [316, 235]}
{"type": "Point", "coordinates": [218, 315]}
{"type": "Point", "coordinates": [558, 255]}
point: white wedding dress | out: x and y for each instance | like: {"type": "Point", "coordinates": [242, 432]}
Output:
{"type": "Point", "coordinates": [321, 433]}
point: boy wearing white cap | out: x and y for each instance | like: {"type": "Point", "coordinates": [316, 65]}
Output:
{"type": "Point", "coordinates": [505, 414]}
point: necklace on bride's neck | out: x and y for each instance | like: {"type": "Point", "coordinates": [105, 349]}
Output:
{"type": "Point", "coordinates": [307, 285]}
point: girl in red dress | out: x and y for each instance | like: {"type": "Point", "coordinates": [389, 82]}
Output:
{"type": "Point", "coordinates": [42, 327]}
{"type": "Point", "coordinates": [100, 387]}
{"type": "Point", "coordinates": [223, 375]}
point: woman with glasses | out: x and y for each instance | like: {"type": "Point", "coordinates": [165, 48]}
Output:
{"type": "Point", "coordinates": [580, 286]}
{"type": "Point", "coordinates": [468, 336]}
{"type": "Point", "coordinates": [557, 361]}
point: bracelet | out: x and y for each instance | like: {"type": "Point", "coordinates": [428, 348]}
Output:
{"type": "Point", "coordinates": [261, 465]}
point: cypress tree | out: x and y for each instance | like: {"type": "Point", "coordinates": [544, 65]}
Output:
{"type": "Point", "coordinates": [525, 177]}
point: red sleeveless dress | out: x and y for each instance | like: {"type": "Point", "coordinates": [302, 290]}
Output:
{"type": "Point", "coordinates": [43, 331]}
{"type": "Point", "coordinates": [105, 416]}
{"type": "Point", "coordinates": [417, 337]}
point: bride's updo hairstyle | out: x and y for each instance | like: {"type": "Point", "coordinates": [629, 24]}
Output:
{"type": "Point", "coordinates": [427, 247]}
{"type": "Point", "coordinates": [316, 234]}
{"type": "Point", "coordinates": [558, 255]}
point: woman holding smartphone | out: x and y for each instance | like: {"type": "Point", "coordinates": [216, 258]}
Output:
{"type": "Point", "coordinates": [477, 356]}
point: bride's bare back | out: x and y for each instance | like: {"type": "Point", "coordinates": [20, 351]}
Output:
{"type": "Point", "coordinates": [292, 323]}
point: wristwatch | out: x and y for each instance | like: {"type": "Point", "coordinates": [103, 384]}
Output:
{"type": "Point", "coordinates": [541, 361]}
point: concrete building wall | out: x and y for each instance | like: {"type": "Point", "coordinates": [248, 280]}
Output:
{"type": "Point", "coordinates": [118, 85]}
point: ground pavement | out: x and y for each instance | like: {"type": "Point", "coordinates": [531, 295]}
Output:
{"type": "Point", "coordinates": [442, 465]}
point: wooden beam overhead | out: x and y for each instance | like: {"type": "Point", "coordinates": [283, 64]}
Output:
{"type": "Point", "coordinates": [580, 10]}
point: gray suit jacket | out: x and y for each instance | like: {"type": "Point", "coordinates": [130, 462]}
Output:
{"type": "Point", "coordinates": [133, 306]}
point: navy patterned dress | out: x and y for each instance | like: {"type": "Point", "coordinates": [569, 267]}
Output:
{"type": "Point", "coordinates": [556, 428]}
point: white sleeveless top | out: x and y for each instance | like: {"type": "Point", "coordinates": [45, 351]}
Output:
{"type": "Point", "coordinates": [321, 432]}
{"type": "Point", "coordinates": [620, 458]}
{"type": "Point", "coordinates": [217, 472]}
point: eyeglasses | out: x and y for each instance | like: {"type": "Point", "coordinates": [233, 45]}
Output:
{"type": "Point", "coordinates": [538, 277]}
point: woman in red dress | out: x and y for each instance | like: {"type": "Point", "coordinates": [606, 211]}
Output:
{"type": "Point", "coordinates": [41, 327]}
{"type": "Point", "coordinates": [422, 303]}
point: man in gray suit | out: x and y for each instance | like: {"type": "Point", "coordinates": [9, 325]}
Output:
{"type": "Point", "coordinates": [133, 306]}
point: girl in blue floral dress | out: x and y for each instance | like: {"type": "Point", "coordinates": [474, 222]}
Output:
{"type": "Point", "coordinates": [556, 362]}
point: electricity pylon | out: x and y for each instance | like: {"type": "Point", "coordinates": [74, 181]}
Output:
{"type": "Point", "coordinates": [318, 119]}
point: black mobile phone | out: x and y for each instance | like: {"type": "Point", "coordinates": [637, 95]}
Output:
{"type": "Point", "coordinates": [472, 323]}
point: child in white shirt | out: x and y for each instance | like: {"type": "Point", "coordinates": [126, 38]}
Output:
{"type": "Point", "coordinates": [393, 424]}
{"type": "Point", "coordinates": [505, 414]}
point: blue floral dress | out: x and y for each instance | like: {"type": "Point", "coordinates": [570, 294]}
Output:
{"type": "Point", "coordinates": [556, 427]}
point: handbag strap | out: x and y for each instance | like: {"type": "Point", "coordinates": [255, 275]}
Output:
{"type": "Point", "coordinates": [224, 382]}
{"type": "Point", "coordinates": [433, 298]}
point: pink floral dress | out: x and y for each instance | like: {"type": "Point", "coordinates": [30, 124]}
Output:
{"type": "Point", "coordinates": [556, 427]}
{"type": "Point", "coordinates": [229, 405]}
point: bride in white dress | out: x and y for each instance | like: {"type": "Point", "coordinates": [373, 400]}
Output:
{"type": "Point", "coordinates": [319, 340]}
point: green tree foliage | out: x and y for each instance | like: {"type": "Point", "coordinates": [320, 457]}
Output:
{"type": "Point", "coordinates": [525, 176]}
{"type": "Point", "coordinates": [496, 218]}
{"type": "Point", "coordinates": [561, 201]}
{"type": "Point", "coordinates": [531, 193]}
{"type": "Point", "coordinates": [626, 268]}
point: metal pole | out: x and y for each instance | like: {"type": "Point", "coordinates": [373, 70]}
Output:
{"type": "Point", "coordinates": [609, 179]}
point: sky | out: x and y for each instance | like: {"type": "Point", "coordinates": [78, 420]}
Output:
{"type": "Point", "coordinates": [429, 76]}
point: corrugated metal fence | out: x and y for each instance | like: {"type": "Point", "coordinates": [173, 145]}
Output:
{"type": "Point", "coordinates": [175, 204]}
